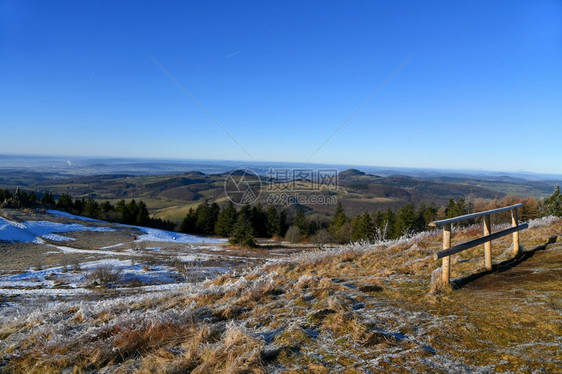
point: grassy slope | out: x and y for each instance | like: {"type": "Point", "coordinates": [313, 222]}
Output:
{"type": "Point", "coordinates": [348, 309]}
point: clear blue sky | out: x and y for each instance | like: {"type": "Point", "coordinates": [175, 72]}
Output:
{"type": "Point", "coordinates": [482, 88]}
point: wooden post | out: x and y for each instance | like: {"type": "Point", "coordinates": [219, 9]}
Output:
{"type": "Point", "coordinates": [514, 223]}
{"type": "Point", "coordinates": [488, 244]}
{"type": "Point", "coordinates": [446, 268]}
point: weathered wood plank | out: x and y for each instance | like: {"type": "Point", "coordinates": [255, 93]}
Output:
{"type": "Point", "coordinates": [443, 222]}
{"type": "Point", "coordinates": [488, 243]}
{"type": "Point", "coordinates": [514, 223]}
{"type": "Point", "coordinates": [446, 267]}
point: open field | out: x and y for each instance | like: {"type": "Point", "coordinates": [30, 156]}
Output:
{"type": "Point", "coordinates": [56, 256]}
{"type": "Point", "coordinates": [365, 308]}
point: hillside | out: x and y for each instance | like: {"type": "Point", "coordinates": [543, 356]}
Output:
{"type": "Point", "coordinates": [351, 309]}
{"type": "Point", "coordinates": [170, 196]}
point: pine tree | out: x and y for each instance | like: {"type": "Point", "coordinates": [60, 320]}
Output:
{"type": "Point", "coordinates": [130, 212]}
{"type": "Point", "coordinates": [31, 198]}
{"type": "Point", "coordinates": [283, 222]}
{"type": "Point", "coordinates": [142, 217]}
{"type": "Point", "coordinates": [339, 219]}
{"type": "Point", "coordinates": [405, 220]}
{"type": "Point", "coordinates": [47, 199]}
{"type": "Point", "coordinates": [273, 221]}
{"type": "Point", "coordinates": [552, 205]}
{"type": "Point", "coordinates": [363, 227]}
{"type": "Point", "coordinates": [65, 203]}
{"type": "Point", "coordinates": [458, 208]}
{"type": "Point", "coordinates": [258, 219]}
{"type": "Point", "coordinates": [91, 208]}
{"type": "Point", "coordinates": [189, 222]}
{"type": "Point", "coordinates": [226, 220]}
{"type": "Point", "coordinates": [243, 233]}
{"type": "Point", "coordinates": [207, 216]}
{"type": "Point", "coordinates": [301, 222]}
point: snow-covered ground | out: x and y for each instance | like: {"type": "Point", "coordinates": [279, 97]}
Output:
{"type": "Point", "coordinates": [59, 213]}
{"type": "Point", "coordinates": [34, 231]}
{"type": "Point", "coordinates": [141, 265]}
{"type": "Point", "coordinates": [156, 235]}
{"type": "Point", "coordinates": [151, 235]}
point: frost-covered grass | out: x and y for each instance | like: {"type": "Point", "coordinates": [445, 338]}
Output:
{"type": "Point", "coordinates": [354, 309]}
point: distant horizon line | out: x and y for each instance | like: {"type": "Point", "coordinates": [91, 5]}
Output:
{"type": "Point", "coordinates": [67, 158]}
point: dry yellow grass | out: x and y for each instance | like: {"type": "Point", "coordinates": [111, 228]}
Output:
{"type": "Point", "coordinates": [351, 310]}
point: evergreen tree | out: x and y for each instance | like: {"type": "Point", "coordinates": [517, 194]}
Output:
{"type": "Point", "coordinates": [363, 227]}
{"type": "Point", "coordinates": [120, 206]}
{"type": "Point", "coordinates": [91, 208]}
{"type": "Point", "coordinates": [258, 220]}
{"type": "Point", "coordinates": [243, 233]}
{"type": "Point", "coordinates": [129, 212]}
{"type": "Point", "coordinates": [142, 217]}
{"type": "Point", "coordinates": [207, 216]}
{"type": "Point", "coordinates": [273, 221]}
{"type": "Point", "coordinates": [283, 223]}
{"type": "Point", "coordinates": [458, 208]}
{"type": "Point", "coordinates": [226, 220]}
{"type": "Point", "coordinates": [47, 199]}
{"type": "Point", "coordinates": [189, 222]}
{"type": "Point", "coordinates": [7, 194]}
{"type": "Point", "coordinates": [339, 219]}
{"type": "Point", "coordinates": [427, 214]}
{"type": "Point", "coordinates": [301, 222]}
{"type": "Point", "coordinates": [552, 205]}
{"type": "Point", "coordinates": [65, 203]}
{"type": "Point", "coordinates": [31, 198]}
{"type": "Point", "coordinates": [106, 207]}
{"type": "Point", "coordinates": [406, 220]}
{"type": "Point", "coordinates": [107, 211]}
{"type": "Point", "coordinates": [245, 212]}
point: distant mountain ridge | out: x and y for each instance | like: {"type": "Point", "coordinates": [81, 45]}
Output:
{"type": "Point", "coordinates": [169, 196]}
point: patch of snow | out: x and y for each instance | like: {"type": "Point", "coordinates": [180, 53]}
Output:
{"type": "Point", "coordinates": [93, 251]}
{"type": "Point", "coordinates": [59, 213]}
{"type": "Point", "coordinates": [156, 235]}
{"type": "Point", "coordinates": [32, 231]}
{"type": "Point", "coordinates": [15, 232]}
{"type": "Point", "coordinates": [113, 246]}
{"type": "Point", "coordinates": [57, 238]}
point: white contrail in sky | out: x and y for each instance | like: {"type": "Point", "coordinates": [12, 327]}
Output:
{"type": "Point", "coordinates": [232, 54]}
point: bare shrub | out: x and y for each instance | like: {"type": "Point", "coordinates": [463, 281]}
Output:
{"type": "Point", "coordinates": [293, 235]}
{"type": "Point", "coordinates": [322, 237]}
{"type": "Point", "coordinates": [76, 264]}
{"type": "Point", "coordinates": [105, 274]}
{"type": "Point", "coordinates": [192, 270]}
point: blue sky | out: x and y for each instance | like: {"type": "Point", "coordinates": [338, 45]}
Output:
{"type": "Point", "coordinates": [480, 85]}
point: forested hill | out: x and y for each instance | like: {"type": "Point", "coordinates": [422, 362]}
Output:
{"type": "Point", "coordinates": [170, 196]}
